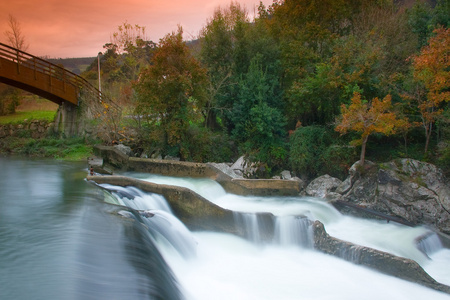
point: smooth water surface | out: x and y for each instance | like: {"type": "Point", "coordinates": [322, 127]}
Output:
{"type": "Point", "coordinates": [57, 240]}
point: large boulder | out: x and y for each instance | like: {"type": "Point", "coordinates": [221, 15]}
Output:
{"type": "Point", "coordinates": [124, 149]}
{"type": "Point", "coordinates": [415, 191]}
{"type": "Point", "coordinates": [322, 186]}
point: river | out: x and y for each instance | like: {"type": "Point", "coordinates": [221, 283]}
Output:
{"type": "Point", "coordinates": [60, 240]}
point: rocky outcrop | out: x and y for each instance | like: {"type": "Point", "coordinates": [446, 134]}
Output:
{"type": "Point", "coordinates": [412, 190]}
{"type": "Point", "coordinates": [112, 157]}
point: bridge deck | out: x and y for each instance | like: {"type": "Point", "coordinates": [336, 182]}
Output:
{"type": "Point", "coordinates": [41, 77]}
{"type": "Point", "coordinates": [49, 86]}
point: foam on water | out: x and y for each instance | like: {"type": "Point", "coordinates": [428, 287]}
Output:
{"type": "Point", "coordinates": [233, 268]}
{"type": "Point", "coordinates": [228, 267]}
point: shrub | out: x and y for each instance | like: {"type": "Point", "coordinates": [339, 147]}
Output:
{"type": "Point", "coordinates": [337, 160]}
{"type": "Point", "coordinates": [202, 145]}
{"type": "Point", "coordinates": [307, 145]}
{"type": "Point", "coordinates": [313, 152]}
{"type": "Point", "coordinates": [444, 159]}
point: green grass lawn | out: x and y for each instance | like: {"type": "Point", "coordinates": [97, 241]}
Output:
{"type": "Point", "coordinates": [28, 115]}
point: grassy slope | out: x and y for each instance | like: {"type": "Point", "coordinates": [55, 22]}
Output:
{"type": "Point", "coordinates": [31, 108]}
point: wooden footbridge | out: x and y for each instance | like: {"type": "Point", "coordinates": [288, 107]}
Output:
{"type": "Point", "coordinates": [40, 77]}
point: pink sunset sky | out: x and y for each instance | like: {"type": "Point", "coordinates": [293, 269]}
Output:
{"type": "Point", "coordinates": [80, 28]}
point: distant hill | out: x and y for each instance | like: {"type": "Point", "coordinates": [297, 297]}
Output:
{"type": "Point", "coordinates": [75, 65]}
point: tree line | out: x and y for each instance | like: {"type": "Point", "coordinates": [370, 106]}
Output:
{"type": "Point", "coordinates": [297, 86]}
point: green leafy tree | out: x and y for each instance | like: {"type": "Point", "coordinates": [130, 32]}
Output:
{"type": "Point", "coordinates": [441, 14]}
{"type": "Point", "coordinates": [216, 55]}
{"type": "Point", "coordinates": [259, 124]}
{"type": "Point", "coordinates": [171, 91]}
{"type": "Point", "coordinates": [128, 51]}
{"type": "Point", "coordinates": [132, 44]}
{"type": "Point", "coordinates": [225, 54]}
{"type": "Point", "coordinates": [353, 66]}
{"type": "Point", "coordinates": [9, 99]}
{"type": "Point", "coordinates": [419, 18]}
{"type": "Point", "coordinates": [307, 146]}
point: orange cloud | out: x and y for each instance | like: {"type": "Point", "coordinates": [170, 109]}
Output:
{"type": "Point", "coordinates": [80, 28]}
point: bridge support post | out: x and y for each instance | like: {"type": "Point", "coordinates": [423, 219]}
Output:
{"type": "Point", "coordinates": [67, 121]}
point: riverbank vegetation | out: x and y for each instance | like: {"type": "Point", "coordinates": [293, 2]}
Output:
{"type": "Point", "coordinates": [72, 149]}
{"type": "Point", "coordinates": [276, 86]}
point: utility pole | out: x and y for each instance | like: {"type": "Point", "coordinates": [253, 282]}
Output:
{"type": "Point", "coordinates": [99, 79]}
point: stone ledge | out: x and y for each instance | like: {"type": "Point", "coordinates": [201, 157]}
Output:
{"type": "Point", "coordinates": [383, 262]}
{"type": "Point", "coordinates": [112, 157]}
{"type": "Point", "coordinates": [263, 187]}
{"type": "Point", "coordinates": [193, 210]}
{"type": "Point", "coordinates": [171, 168]}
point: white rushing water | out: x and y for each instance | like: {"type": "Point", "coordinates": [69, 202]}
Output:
{"type": "Point", "coordinates": [229, 267]}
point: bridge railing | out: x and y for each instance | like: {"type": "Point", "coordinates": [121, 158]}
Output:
{"type": "Point", "coordinates": [23, 59]}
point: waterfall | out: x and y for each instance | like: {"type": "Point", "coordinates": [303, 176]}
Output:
{"type": "Point", "coordinates": [429, 243]}
{"type": "Point", "coordinates": [294, 230]}
{"type": "Point", "coordinates": [153, 211]}
{"type": "Point", "coordinates": [54, 225]}
{"type": "Point", "coordinates": [136, 199]}
{"type": "Point", "coordinates": [249, 224]}
{"type": "Point", "coordinates": [270, 262]}
{"type": "Point", "coordinates": [279, 230]}
{"type": "Point", "coordinates": [168, 228]}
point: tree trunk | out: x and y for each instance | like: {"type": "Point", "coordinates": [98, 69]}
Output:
{"type": "Point", "coordinates": [363, 150]}
{"type": "Point", "coordinates": [427, 135]}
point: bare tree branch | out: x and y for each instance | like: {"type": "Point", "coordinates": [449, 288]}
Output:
{"type": "Point", "coordinates": [14, 35]}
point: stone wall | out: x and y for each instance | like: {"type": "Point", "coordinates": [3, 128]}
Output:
{"type": "Point", "coordinates": [34, 129]}
{"type": "Point", "coordinates": [170, 168]}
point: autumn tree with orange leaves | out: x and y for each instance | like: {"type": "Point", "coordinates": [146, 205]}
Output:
{"type": "Point", "coordinates": [366, 118]}
{"type": "Point", "coordinates": [432, 68]}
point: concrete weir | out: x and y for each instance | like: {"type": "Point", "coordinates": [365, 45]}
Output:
{"type": "Point", "coordinates": [197, 213]}
{"type": "Point", "coordinates": [115, 159]}
{"type": "Point", "coordinates": [193, 210]}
